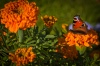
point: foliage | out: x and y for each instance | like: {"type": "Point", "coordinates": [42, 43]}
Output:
{"type": "Point", "coordinates": [44, 40]}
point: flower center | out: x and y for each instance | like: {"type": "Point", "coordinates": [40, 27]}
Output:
{"type": "Point", "coordinates": [19, 10]}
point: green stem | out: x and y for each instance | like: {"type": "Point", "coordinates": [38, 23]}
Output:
{"type": "Point", "coordinates": [20, 35]}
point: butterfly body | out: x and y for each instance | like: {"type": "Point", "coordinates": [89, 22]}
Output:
{"type": "Point", "coordinates": [78, 25]}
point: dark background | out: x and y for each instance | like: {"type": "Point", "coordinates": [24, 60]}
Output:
{"type": "Point", "coordinates": [64, 10]}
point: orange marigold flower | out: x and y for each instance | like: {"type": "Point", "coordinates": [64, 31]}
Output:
{"type": "Point", "coordinates": [69, 52]}
{"type": "Point", "coordinates": [19, 15]}
{"type": "Point", "coordinates": [22, 56]}
{"type": "Point", "coordinates": [49, 20]}
{"type": "Point", "coordinates": [78, 39]}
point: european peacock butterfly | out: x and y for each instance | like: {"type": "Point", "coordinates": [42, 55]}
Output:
{"type": "Point", "coordinates": [79, 25]}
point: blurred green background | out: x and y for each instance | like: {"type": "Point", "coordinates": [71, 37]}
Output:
{"type": "Point", "coordinates": [64, 10]}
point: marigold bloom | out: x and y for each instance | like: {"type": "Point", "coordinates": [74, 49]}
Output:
{"type": "Point", "coordinates": [65, 26]}
{"type": "Point", "coordinates": [69, 52]}
{"type": "Point", "coordinates": [49, 20]}
{"type": "Point", "coordinates": [19, 15]}
{"type": "Point", "coordinates": [78, 39]}
{"type": "Point", "coordinates": [22, 56]}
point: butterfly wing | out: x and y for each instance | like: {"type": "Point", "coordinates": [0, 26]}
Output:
{"type": "Point", "coordinates": [78, 25]}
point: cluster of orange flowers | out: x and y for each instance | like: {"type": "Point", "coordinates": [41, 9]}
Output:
{"type": "Point", "coordinates": [82, 39]}
{"type": "Point", "coordinates": [69, 52]}
{"type": "Point", "coordinates": [19, 15]}
{"type": "Point", "coordinates": [22, 56]}
{"type": "Point", "coordinates": [49, 20]}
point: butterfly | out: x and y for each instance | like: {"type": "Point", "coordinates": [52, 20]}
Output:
{"type": "Point", "coordinates": [79, 25]}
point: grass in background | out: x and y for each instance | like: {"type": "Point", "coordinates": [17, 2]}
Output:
{"type": "Point", "coordinates": [64, 10]}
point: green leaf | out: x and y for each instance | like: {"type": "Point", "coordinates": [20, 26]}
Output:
{"type": "Point", "coordinates": [20, 34]}
{"type": "Point", "coordinates": [29, 39]}
{"type": "Point", "coordinates": [81, 49]}
{"type": "Point", "coordinates": [50, 36]}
